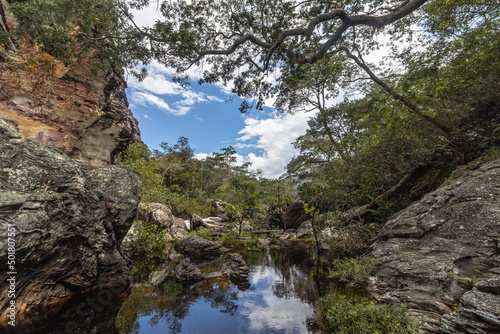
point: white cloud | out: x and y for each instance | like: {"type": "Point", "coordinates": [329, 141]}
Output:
{"type": "Point", "coordinates": [274, 136]}
{"type": "Point", "coordinates": [149, 93]}
{"type": "Point", "coordinates": [146, 99]}
{"type": "Point", "coordinates": [146, 116]}
{"type": "Point", "coordinates": [201, 156]}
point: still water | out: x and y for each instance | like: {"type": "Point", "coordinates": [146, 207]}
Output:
{"type": "Point", "coordinates": [283, 287]}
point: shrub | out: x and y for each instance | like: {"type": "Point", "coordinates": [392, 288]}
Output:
{"type": "Point", "coordinates": [148, 238]}
{"type": "Point", "coordinates": [353, 270]}
{"type": "Point", "coordinates": [343, 314]}
{"type": "Point", "coordinates": [204, 233]}
{"type": "Point", "coordinates": [146, 249]}
{"type": "Point", "coordinates": [231, 242]}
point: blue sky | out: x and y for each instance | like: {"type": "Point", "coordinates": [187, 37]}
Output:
{"type": "Point", "coordinates": [203, 114]}
{"type": "Point", "coordinates": [166, 111]}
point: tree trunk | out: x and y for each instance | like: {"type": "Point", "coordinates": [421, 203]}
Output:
{"type": "Point", "coordinates": [413, 108]}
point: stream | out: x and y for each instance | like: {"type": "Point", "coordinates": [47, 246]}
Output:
{"type": "Point", "coordinates": [283, 288]}
{"type": "Point", "coordinates": [279, 297]}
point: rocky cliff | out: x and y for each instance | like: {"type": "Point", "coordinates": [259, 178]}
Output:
{"type": "Point", "coordinates": [85, 115]}
{"type": "Point", "coordinates": [67, 225]}
{"type": "Point", "coordinates": [440, 247]}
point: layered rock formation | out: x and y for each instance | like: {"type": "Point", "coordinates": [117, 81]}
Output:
{"type": "Point", "coordinates": [235, 268]}
{"type": "Point", "coordinates": [68, 225]}
{"type": "Point", "coordinates": [435, 248]}
{"type": "Point", "coordinates": [186, 271]}
{"type": "Point", "coordinates": [199, 249]}
{"type": "Point", "coordinates": [70, 108]}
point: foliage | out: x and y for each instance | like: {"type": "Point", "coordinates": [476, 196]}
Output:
{"type": "Point", "coordinates": [147, 239]}
{"type": "Point", "coordinates": [146, 249]}
{"type": "Point", "coordinates": [356, 271]}
{"type": "Point", "coordinates": [352, 314]}
{"type": "Point", "coordinates": [205, 233]}
{"type": "Point", "coordinates": [232, 242]}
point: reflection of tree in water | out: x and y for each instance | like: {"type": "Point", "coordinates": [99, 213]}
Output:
{"type": "Point", "coordinates": [170, 303]}
{"type": "Point", "coordinates": [300, 274]}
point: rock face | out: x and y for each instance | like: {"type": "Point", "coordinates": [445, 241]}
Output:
{"type": "Point", "coordinates": [187, 272]}
{"type": "Point", "coordinates": [235, 268]}
{"type": "Point", "coordinates": [479, 310]}
{"type": "Point", "coordinates": [84, 115]}
{"type": "Point", "coordinates": [199, 249]}
{"type": "Point", "coordinates": [294, 215]}
{"type": "Point", "coordinates": [452, 235]}
{"type": "Point", "coordinates": [68, 225]}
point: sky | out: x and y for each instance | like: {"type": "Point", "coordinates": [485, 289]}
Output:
{"type": "Point", "coordinates": [202, 113]}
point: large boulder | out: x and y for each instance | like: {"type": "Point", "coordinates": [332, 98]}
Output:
{"type": "Point", "coordinates": [195, 222]}
{"type": "Point", "coordinates": [161, 216]}
{"type": "Point", "coordinates": [218, 209]}
{"type": "Point", "coordinates": [199, 249]}
{"type": "Point", "coordinates": [186, 271]}
{"type": "Point", "coordinates": [430, 249]}
{"type": "Point", "coordinates": [68, 225]}
{"type": "Point", "coordinates": [294, 215]}
{"type": "Point", "coordinates": [235, 268]}
{"type": "Point", "coordinates": [156, 213]}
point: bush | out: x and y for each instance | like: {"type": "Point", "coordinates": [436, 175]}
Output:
{"type": "Point", "coordinates": [353, 270]}
{"type": "Point", "coordinates": [148, 239]}
{"type": "Point", "coordinates": [204, 233]}
{"type": "Point", "coordinates": [146, 249]}
{"type": "Point", "coordinates": [342, 314]}
{"type": "Point", "coordinates": [231, 242]}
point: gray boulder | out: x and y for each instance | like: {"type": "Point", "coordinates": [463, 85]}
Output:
{"type": "Point", "coordinates": [68, 224]}
{"type": "Point", "coordinates": [199, 249]}
{"type": "Point", "coordinates": [294, 215]}
{"type": "Point", "coordinates": [304, 229]}
{"type": "Point", "coordinates": [235, 268]}
{"type": "Point", "coordinates": [450, 236]}
{"type": "Point", "coordinates": [479, 310]}
{"type": "Point", "coordinates": [218, 209]}
{"type": "Point", "coordinates": [187, 272]}
{"type": "Point", "coordinates": [195, 222]}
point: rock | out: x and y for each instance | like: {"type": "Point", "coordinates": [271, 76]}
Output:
{"type": "Point", "coordinates": [69, 224]}
{"type": "Point", "coordinates": [69, 108]}
{"type": "Point", "coordinates": [449, 235]}
{"type": "Point", "coordinates": [179, 229]}
{"type": "Point", "coordinates": [216, 223]}
{"type": "Point", "coordinates": [235, 268]}
{"type": "Point", "coordinates": [479, 310]}
{"type": "Point", "coordinates": [218, 209]}
{"type": "Point", "coordinates": [187, 272]}
{"type": "Point", "coordinates": [195, 222]}
{"type": "Point", "coordinates": [304, 229]}
{"type": "Point", "coordinates": [294, 215]}
{"type": "Point", "coordinates": [156, 213]}
{"type": "Point", "coordinates": [158, 276]}
{"type": "Point", "coordinates": [161, 216]}
{"type": "Point", "coordinates": [354, 213]}
{"type": "Point", "coordinates": [199, 249]}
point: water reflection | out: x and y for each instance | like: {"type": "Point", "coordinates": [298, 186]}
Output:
{"type": "Point", "coordinates": [280, 298]}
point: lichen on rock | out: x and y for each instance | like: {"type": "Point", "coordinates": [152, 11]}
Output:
{"type": "Point", "coordinates": [69, 224]}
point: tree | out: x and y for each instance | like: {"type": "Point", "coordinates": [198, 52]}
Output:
{"type": "Point", "coordinates": [246, 42]}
